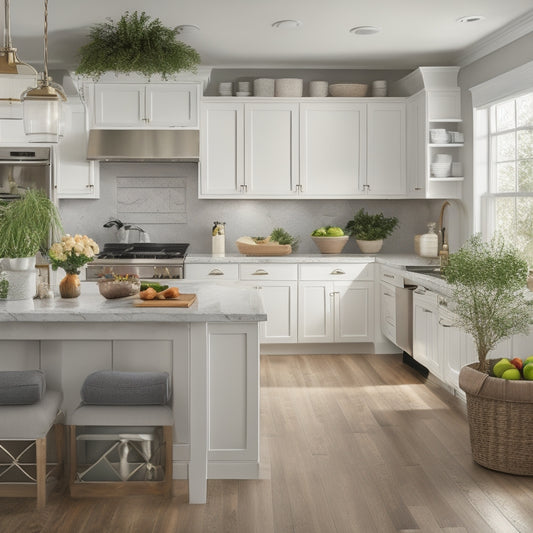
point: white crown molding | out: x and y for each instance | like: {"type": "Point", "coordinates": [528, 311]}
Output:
{"type": "Point", "coordinates": [498, 39]}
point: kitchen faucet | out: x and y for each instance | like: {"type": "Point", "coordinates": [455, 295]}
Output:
{"type": "Point", "coordinates": [443, 238]}
{"type": "Point", "coordinates": [143, 236]}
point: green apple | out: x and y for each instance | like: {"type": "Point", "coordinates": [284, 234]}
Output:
{"type": "Point", "coordinates": [528, 371]}
{"type": "Point", "coordinates": [528, 360]}
{"type": "Point", "coordinates": [501, 366]}
{"type": "Point", "coordinates": [320, 232]}
{"type": "Point", "coordinates": [335, 231]}
{"type": "Point", "coordinates": [511, 373]}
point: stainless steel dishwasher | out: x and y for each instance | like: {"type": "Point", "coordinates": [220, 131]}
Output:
{"type": "Point", "coordinates": [404, 318]}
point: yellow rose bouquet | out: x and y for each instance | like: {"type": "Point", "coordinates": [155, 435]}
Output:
{"type": "Point", "coordinates": [71, 253]}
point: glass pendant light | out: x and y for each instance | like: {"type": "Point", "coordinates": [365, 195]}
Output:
{"type": "Point", "coordinates": [15, 75]}
{"type": "Point", "coordinates": [42, 104]}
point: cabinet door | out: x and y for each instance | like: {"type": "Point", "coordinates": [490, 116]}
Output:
{"type": "Point", "coordinates": [171, 105]}
{"type": "Point", "coordinates": [332, 149]}
{"type": "Point", "coordinates": [354, 311]}
{"type": "Point", "coordinates": [222, 149]}
{"type": "Point", "coordinates": [74, 176]}
{"type": "Point", "coordinates": [388, 311]}
{"type": "Point", "coordinates": [271, 149]}
{"type": "Point", "coordinates": [416, 145]}
{"type": "Point", "coordinates": [119, 105]}
{"type": "Point", "coordinates": [315, 320]}
{"type": "Point", "coordinates": [425, 337]}
{"type": "Point", "coordinates": [386, 158]}
{"type": "Point", "coordinates": [281, 306]}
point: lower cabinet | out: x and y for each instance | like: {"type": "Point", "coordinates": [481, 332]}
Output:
{"type": "Point", "coordinates": [336, 311]}
{"type": "Point", "coordinates": [425, 331]}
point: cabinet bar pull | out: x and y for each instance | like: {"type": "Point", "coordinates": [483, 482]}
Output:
{"type": "Point", "coordinates": [338, 272]}
{"type": "Point", "coordinates": [387, 294]}
{"type": "Point", "coordinates": [216, 272]}
{"type": "Point", "coordinates": [388, 276]}
{"type": "Point", "coordinates": [444, 325]}
{"type": "Point", "coordinates": [420, 291]}
{"type": "Point", "coordinates": [427, 311]}
{"type": "Point", "coordinates": [260, 272]}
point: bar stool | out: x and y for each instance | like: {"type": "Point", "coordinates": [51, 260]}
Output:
{"type": "Point", "coordinates": [28, 413]}
{"type": "Point", "coordinates": [121, 435]}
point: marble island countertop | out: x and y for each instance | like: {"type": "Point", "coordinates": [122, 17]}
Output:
{"type": "Point", "coordinates": [228, 302]}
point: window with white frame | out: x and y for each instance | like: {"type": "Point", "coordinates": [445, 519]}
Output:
{"type": "Point", "coordinates": [511, 171]}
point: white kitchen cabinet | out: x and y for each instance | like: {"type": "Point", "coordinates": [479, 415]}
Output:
{"type": "Point", "coordinates": [74, 176]}
{"type": "Point", "coordinates": [211, 271]}
{"type": "Point", "coordinates": [386, 152]}
{"type": "Point", "coordinates": [332, 149]}
{"type": "Point", "coordinates": [336, 303]}
{"type": "Point", "coordinates": [387, 298]}
{"type": "Point", "coordinates": [270, 149]}
{"type": "Point", "coordinates": [137, 105]}
{"type": "Point", "coordinates": [248, 150]}
{"type": "Point", "coordinates": [278, 285]}
{"type": "Point", "coordinates": [221, 149]}
{"type": "Point", "coordinates": [425, 331]}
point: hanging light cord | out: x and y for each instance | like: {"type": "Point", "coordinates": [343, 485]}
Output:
{"type": "Point", "coordinates": [46, 42]}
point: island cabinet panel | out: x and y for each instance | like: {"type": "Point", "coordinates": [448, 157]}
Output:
{"type": "Point", "coordinates": [233, 369]}
{"type": "Point", "coordinates": [19, 355]}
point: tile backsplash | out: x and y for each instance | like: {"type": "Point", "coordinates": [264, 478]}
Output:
{"type": "Point", "coordinates": [163, 199]}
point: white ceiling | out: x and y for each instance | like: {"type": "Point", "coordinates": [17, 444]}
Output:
{"type": "Point", "coordinates": [238, 33]}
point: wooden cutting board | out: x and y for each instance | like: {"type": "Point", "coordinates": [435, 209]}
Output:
{"type": "Point", "coordinates": [183, 300]}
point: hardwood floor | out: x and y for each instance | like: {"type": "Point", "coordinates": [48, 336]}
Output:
{"type": "Point", "coordinates": [350, 444]}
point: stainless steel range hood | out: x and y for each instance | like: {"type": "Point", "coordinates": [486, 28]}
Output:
{"type": "Point", "coordinates": [143, 145]}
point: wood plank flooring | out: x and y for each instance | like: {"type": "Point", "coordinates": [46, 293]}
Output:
{"type": "Point", "coordinates": [350, 444]}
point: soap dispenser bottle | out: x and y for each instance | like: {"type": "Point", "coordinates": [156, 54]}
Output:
{"type": "Point", "coordinates": [429, 242]}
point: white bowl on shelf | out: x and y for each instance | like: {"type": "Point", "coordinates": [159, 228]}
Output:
{"type": "Point", "coordinates": [442, 158]}
{"type": "Point", "coordinates": [440, 170]}
{"type": "Point", "coordinates": [289, 87]}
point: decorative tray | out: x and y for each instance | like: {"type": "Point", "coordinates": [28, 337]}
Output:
{"type": "Point", "coordinates": [264, 249]}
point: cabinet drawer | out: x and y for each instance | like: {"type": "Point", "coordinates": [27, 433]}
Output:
{"type": "Point", "coordinates": [389, 331]}
{"type": "Point", "coordinates": [388, 303]}
{"type": "Point", "coordinates": [425, 298]}
{"type": "Point", "coordinates": [212, 271]}
{"type": "Point", "coordinates": [332, 271]}
{"type": "Point", "coordinates": [264, 271]}
{"type": "Point", "coordinates": [392, 276]}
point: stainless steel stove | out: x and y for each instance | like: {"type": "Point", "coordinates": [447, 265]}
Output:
{"type": "Point", "coordinates": [148, 260]}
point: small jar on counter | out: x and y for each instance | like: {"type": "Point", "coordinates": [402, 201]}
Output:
{"type": "Point", "coordinates": [218, 239]}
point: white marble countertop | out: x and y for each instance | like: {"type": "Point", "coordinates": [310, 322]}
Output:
{"type": "Point", "coordinates": [228, 302]}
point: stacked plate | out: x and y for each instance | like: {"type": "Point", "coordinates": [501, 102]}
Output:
{"type": "Point", "coordinates": [379, 88]}
{"type": "Point", "coordinates": [225, 88]}
{"type": "Point", "coordinates": [441, 166]}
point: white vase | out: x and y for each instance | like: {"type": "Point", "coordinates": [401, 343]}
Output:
{"type": "Point", "coordinates": [21, 275]}
{"type": "Point", "coordinates": [369, 247]}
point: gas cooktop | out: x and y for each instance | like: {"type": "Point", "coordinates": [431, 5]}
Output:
{"type": "Point", "coordinates": [143, 250]}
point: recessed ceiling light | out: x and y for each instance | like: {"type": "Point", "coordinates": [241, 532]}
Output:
{"type": "Point", "coordinates": [188, 28]}
{"type": "Point", "coordinates": [365, 30]}
{"type": "Point", "coordinates": [471, 18]}
{"type": "Point", "coordinates": [287, 24]}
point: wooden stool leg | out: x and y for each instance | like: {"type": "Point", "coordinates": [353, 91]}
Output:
{"type": "Point", "coordinates": [167, 437]}
{"type": "Point", "coordinates": [73, 460]}
{"type": "Point", "coordinates": [40, 454]}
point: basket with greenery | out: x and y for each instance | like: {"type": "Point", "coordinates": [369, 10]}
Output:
{"type": "Point", "coordinates": [26, 225]}
{"type": "Point", "coordinates": [488, 281]}
{"type": "Point", "coordinates": [136, 43]}
{"type": "Point", "coordinates": [366, 227]}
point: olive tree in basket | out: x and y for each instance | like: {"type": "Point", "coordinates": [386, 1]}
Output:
{"type": "Point", "coordinates": [488, 281]}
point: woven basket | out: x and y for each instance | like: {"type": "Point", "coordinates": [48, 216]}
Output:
{"type": "Point", "coordinates": [500, 415]}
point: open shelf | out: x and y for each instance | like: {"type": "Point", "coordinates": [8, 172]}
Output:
{"type": "Point", "coordinates": [446, 145]}
{"type": "Point", "coordinates": [448, 178]}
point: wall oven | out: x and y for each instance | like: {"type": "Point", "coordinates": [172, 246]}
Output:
{"type": "Point", "coordinates": [24, 168]}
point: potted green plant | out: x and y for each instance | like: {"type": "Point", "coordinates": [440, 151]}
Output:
{"type": "Point", "coordinates": [488, 283]}
{"type": "Point", "coordinates": [370, 230]}
{"type": "Point", "coordinates": [135, 44]}
{"type": "Point", "coordinates": [26, 225]}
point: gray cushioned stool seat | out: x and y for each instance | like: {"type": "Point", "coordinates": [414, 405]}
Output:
{"type": "Point", "coordinates": [21, 387]}
{"type": "Point", "coordinates": [121, 415]}
{"type": "Point", "coordinates": [30, 422]}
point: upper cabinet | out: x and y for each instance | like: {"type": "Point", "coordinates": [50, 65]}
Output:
{"type": "Point", "coordinates": [143, 105]}
{"type": "Point", "coordinates": [288, 148]}
{"type": "Point", "coordinates": [434, 103]}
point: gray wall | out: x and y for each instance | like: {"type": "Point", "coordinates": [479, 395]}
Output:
{"type": "Point", "coordinates": [506, 58]}
{"type": "Point", "coordinates": [242, 217]}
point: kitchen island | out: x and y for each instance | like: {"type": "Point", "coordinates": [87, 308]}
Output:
{"type": "Point", "coordinates": [211, 351]}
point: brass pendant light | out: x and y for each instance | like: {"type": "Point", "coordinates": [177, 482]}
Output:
{"type": "Point", "coordinates": [15, 74]}
{"type": "Point", "coordinates": [42, 104]}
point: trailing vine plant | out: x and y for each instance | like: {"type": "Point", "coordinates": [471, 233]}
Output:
{"type": "Point", "coordinates": [136, 43]}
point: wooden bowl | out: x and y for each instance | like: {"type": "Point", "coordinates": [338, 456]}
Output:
{"type": "Point", "coordinates": [330, 245]}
